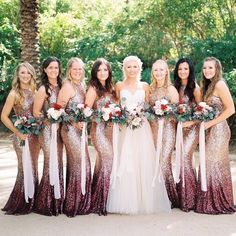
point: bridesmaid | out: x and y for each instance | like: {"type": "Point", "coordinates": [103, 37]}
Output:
{"type": "Point", "coordinates": [101, 92]}
{"type": "Point", "coordinates": [218, 199]}
{"type": "Point", "coordinates": [161, 88]}
{"type": "Point", "coordinates": [20, 99]}
{"type": "Point", "coordinates": [46, 203]}
{"type": "Point", "coordinates": [189, 92]}
{"type": "Point", "coordinates": [73, 91]}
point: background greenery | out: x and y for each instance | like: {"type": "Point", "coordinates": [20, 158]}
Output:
{"type": "Point", "coordinates": [150, 29]}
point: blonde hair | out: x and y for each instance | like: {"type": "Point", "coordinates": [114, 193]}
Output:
{"type": "Point", "coordinates": [207, 85]}
{"type": "Point", "coordinates": [16, 82]}
{"type": "Point", "coordinates": [132, 58]}
{"type": "Point", "coordinates": [153, 84]}
{"type": "Point", "coordinates": [69, 65]}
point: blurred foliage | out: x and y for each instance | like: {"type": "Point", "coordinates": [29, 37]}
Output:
{"type": "Point", "coordinates": [150, 29]}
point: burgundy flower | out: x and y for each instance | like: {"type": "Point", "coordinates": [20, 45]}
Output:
{"type": "Point", "coordinates": [57, 106]}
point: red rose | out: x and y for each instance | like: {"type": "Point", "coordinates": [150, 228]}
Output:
{"type": "Point", "coordinates": [163, 107]}
{"type": "Point", "coordinates": [199, 108]}
{"type": "Point", "coordinates": [181, 110]}
{"type": "Point", "coordinates": [57, 106]}
{"type": "Point", "coordinates": [107, 105]}
{"type": "Point", "coordinates": [110, 115]}
{"type": "Point", "coordinates": [118, 113]}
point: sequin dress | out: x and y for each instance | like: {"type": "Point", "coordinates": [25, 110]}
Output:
{"type": "Point", "coordinates": [45, 202]}
{"type": "Point", "coordinates": [168, 145]}
{"type": "Point", "coordinates": [16, 203]}
{"type": "Point", "coordinates": [75, 202]}
{"type": "Point", "coordinates": [218, 199]}
{"type": "Point", "coordinates": [187, 192]}
{"type": "Point", "coordinates": [101, 136]}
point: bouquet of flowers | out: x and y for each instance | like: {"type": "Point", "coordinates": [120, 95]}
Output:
{"type": "Point", "coordinates": [56, 114]}
{"type": "Point", "coordinates": [203, 112]}
{"type": "Point", "coordinates": [134, 115]}
{"type": "Point", "coordinates": [183, 112]}
{"type": "Point", "coordinates": [162, 108]}
{"type": "Point", "coordinates": [27, 125]}
{"type": "Point", "coordinates": [111, 112]}
{"type": "Point", "coordinates": [80, 112]}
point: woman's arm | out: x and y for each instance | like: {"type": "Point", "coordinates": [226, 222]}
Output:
{"type": "Point", "coordinates": [5, 115]}
{"type": "Point", "coordinates": [197, 94]}
{"type": "Point", "coordinates": [39, 99]}
{"type": "Point", "coordinates": [222, 91]}
{"type": "Point", "coordinates": [91, 96]}
{"type": "Point", "coordinates": [147, 91]}
{"type": "Point", "coordinates": [173, 94]}
{"type": "Point", "coordinates": [66, 92]}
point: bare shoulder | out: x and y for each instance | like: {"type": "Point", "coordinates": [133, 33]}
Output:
{"type": "Point", "coordinates": [91, 90]}
{"type": "Point", "coordinates": [171, 88]}
{"type": "Point", "coordinates": [144, 85]}
{"type": "Point", "coordinates": [67, 85]}
{"type": "Point", "coordinates": [221, 84]}
{"type": "Point", "coordinates": [12, 94]}
{"type": "Point", "coordinates": [119, 85]}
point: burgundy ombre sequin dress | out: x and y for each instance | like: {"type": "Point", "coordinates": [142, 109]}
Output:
{"type": "Point", "coordinates": [101, 136]}
{"type": "Point", "coordinates": [187, 193]}
{"type": "Point", "coordinates": [168, 145]}
{"type": "Point", "coordinates": [45, 202]}
{"type": "Point", "coordinates": [218, 199]}
{"type": "Point", "coordinates": [16, 203]}
{"type": "Point", "coordinates": [75, 202]}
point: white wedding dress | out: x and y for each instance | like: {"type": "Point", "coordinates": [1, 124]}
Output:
{"type": "Point", "coordinates": [131, 189]}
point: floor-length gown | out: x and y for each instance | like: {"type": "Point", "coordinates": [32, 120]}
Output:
{"type": "Point", "coordinates": [16, 203]}
{"type": "Point", "coordinates": [101, 136]}
{"type": "Point", "coordinates": [168, 145]}
{"type": "Point", "coordinates": [187, 191]}
{"type": "Point", "coordinates": [131, 191]}
{"type": "Point", "coordinates": [75, 202]}
{"type": "Point", "coordinates": [218, 199]}
{"type": "Point", "coordinates": [45, 202]}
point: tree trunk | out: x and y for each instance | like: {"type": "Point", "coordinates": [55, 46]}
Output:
{"type": "Point", "coordinates": [30, 33]}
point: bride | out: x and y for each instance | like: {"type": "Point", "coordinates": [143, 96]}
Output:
{"type": "Point", "coordinates": [132, 190]}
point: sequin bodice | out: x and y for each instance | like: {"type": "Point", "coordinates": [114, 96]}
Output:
{"type": "Point", "coordinates": [27, 106]}
{"type": "Point", "coordinates": [78, 98]}
{"type": "Point", "coordinates": [216, 102]}
{"type": "Point", "coordinates": [158, 94]}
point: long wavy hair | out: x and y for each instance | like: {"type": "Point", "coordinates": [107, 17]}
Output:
{"type": "Point", "coordinates": [68, 71]}
{"type": "Point", "coordinates": [16, 82]}
{"type": "Point", "coordinates": [208, 85]}
{"type": "Point", "coordinates": [44, 78]}
{"type": "Point", "coordinates": [191, 84]}
{"type": "Point", "coordinates": [132, 58]}
{"type": "Point", "coordinates": [167, 82]}
{"type": "Point", "coordinates": [94, 81]}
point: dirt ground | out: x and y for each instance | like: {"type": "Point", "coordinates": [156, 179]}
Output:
{"type": "Point", "coordinates": [176, 223]}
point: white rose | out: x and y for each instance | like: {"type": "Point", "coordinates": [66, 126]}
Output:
{"type": "Point", "coordinates": [80, 105]}
{"type": "Point", "coordinates": [136, 121]}
{"type": "Point", "coordinates": [106, 116]}
{"type": "Point", "coordinates": [164, 101]}
{"type": "Point", "coordinates": [88, 112]}
{"type": "Point", "coordinates": [202, 104]}
{"type": "Point", "coordinates": [17, 122]}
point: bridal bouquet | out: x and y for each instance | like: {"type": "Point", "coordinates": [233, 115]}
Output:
{"type": "Point", "coordinates": [27, 125]}
{"type": "Point", "coordinates": [134, 115]}
{"type": "Point", "coordinates": [56, 114]}
{"type": "Point", "coordinates": [80, 112]}
{"type": "Point", "coordinates": [111, 112]}
{"type": "Point", "coordinates": [203, 112]}
{"type": "Point", "coordinates": [183, 112]}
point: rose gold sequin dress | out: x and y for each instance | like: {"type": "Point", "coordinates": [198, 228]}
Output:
{"type": "Point", "coordinates": [187, 193]}
{"type": "Point", "coordinates": [75, 202]}
{"type": "Point", "coordinates": [168, 145]}
{"type": "Point", "coordinates": [45, 202]}
{"type": "Point", "coordinates": [219, 196]}
{"type": "Point", "coordinates": [101, 136]}
{"type": "Point", "coordinates": [16, 203]}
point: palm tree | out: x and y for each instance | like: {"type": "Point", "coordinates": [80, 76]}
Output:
{"type": "Point", "coordinates": [29, 13]}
